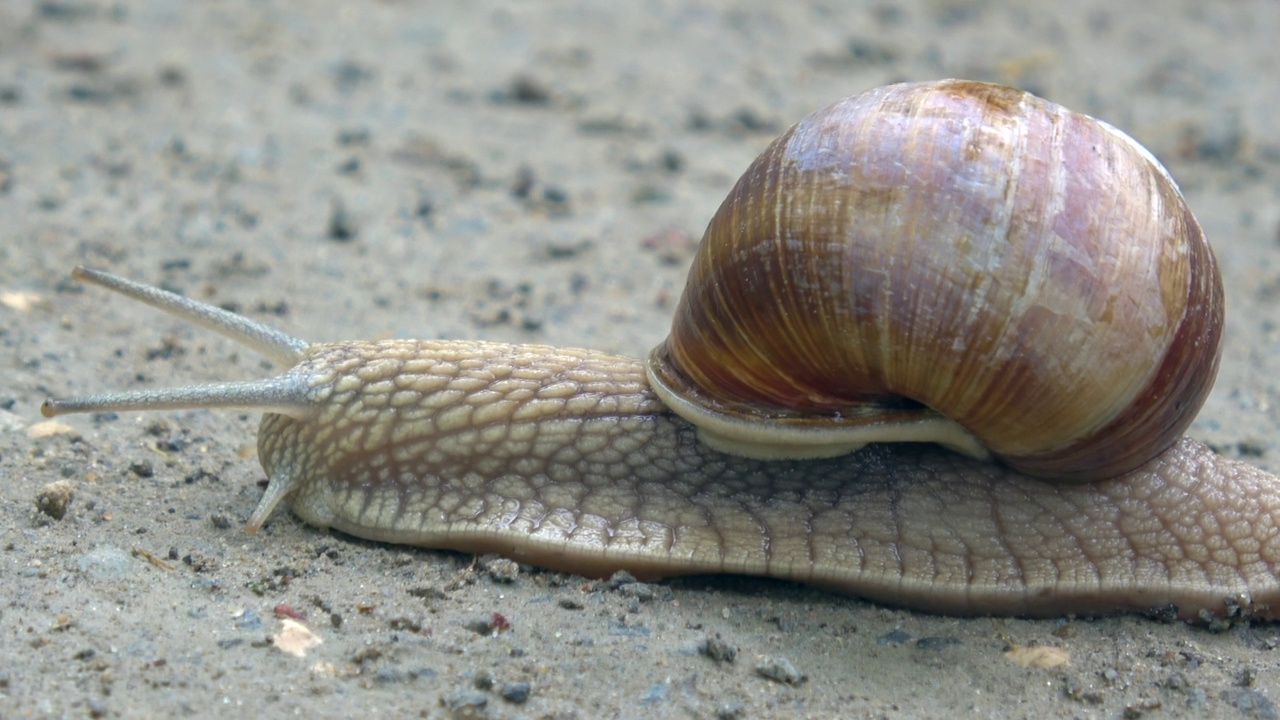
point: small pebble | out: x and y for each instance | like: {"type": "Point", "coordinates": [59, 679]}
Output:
{"type": "Point", "coordinates": [350, 166]}
{"type": "Point", "coordinates": [249, 620]}
{"type": "Point", "coordinates": [502, 570]}
{"type": "Point", "coordinates": [341, 226]}
{"type": "Point", "coordinates": [465, 704]}
{"type": "Point", "coordinates": [779, 669]}
{"type": "Point", "coordinates": [516, 692]}
{"type": "Point", "coordinates": [53, 498]}
{"type": "Point", "coordinates": [719, 650]}
{"type": "Point", "coordinates": [526, 91]}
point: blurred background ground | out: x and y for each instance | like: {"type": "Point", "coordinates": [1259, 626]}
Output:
{"type": "Point", "coordinates": [530, 173]}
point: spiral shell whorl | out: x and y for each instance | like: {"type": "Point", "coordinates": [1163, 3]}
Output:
{"type": "Point", "coordinates": [1029, 272]}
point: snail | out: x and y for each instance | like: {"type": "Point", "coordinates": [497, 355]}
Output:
{"type": "Point", "coordinates": [1016, 292]}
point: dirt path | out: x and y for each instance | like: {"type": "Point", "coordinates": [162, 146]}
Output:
{"type": "Point", "coordinates": [532, 174]}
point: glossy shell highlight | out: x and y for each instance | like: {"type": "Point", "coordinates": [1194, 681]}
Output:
{"type": "Point", "coordinates": [957, 249]}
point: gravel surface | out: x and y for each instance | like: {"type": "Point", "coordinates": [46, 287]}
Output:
{"type": "Point", "coordinates": [533, 173]}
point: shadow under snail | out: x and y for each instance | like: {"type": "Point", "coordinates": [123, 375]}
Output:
{"type": "Point", "coordinates": [1018, 288]}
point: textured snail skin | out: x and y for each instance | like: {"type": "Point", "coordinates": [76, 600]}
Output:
{"type": "Point", "coordinates": [565, 459]}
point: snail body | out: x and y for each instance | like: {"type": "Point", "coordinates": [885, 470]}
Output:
{"type": "Point", "coordinates": [589, 462]}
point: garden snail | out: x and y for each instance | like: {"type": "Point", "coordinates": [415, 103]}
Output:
{"type": "Point", "coordinates": [569, 458]}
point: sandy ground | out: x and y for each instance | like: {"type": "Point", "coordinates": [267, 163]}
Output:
{"type": "Point", "coordinates": [537, 173]}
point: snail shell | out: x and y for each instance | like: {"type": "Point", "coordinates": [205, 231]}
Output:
{"type": "Point", "coordinates": [957, 262]}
